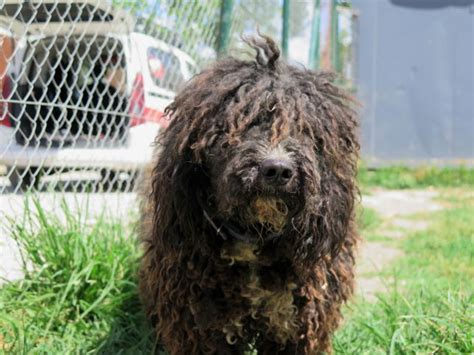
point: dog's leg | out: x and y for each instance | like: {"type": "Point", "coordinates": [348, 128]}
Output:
{"type": "Point", "coordinates": [183, 338]}
{"type": "Point", "coordinates": [318, 320]}
{"type": "Point", "coordinates": [214, 342]}
{"type": "Point", "coordinates": [302, 347]}
{"type": "Point", "coordinates": [269, 347]}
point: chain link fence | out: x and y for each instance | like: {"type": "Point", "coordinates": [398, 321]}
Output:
{"type": "Point", "coordinates": [84, 83]}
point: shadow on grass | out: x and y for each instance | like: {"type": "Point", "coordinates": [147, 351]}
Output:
{"type": "Point", "coordinates": [130, 333]}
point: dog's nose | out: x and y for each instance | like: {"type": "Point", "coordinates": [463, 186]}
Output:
{"type": "Point", "coordinates": [276, 171]}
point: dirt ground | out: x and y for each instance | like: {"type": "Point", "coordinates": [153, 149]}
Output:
{"type": "Point", "coordinates": [394, 207]}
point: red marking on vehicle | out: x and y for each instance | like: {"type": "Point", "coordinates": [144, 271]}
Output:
{"type": "Point", "coordinates": [138, 111]}
{"type": "Point", "coordinates": [4, 104]}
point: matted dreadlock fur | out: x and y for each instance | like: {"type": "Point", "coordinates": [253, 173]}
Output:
{"type": "Point", "coordinates": [232, 262]}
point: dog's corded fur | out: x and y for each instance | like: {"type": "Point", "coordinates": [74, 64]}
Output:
{"type": "Point", "coordinates": [278, 290]}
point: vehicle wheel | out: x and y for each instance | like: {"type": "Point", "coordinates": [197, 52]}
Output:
{"type": "Point", "coordinates": [24, 179]}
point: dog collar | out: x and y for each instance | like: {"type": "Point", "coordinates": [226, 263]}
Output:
{"type": "Point", "coordinates": [228, 229]}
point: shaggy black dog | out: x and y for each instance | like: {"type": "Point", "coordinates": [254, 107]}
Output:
{"type": "Point", "coordinates": [248, 227]}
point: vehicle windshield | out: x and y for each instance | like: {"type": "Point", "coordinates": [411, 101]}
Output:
{"type": "Point", "coordinates": [165, 69]}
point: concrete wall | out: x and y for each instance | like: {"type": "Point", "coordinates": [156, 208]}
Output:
{"type": "Point", "coordinates": [415, 77]}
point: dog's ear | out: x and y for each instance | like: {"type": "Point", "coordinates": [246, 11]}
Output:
{"type": "Point", "coordinates": [334, 129]}
{"type": "Point", "coordinates": [340, 157]}
{"type": "Point", "coordinates": [178, 181]}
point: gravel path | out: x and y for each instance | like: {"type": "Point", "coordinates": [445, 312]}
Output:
{"type": "Point", "coordinates": [395, 207]}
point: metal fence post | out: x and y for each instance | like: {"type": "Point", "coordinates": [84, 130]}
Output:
{"type": "Point", "coordinates": [286, 28]}
{"type": "Point", "coordinates": [224, 26]}
{"type": "Point", "coordinates": [334, 36]}
{"type": "Point", "coordinates": [313, 60]}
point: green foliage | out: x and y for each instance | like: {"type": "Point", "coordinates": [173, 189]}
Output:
{"type": "Point", "coordinates": [430, 310]}
{"type": "Point", "coordinates": [268, 15]}
{"type": "Point", "coordinates": [401, 177]}
{"type": "Point", "coordinates": [80, 292]}
{"type": "Point", "coordinates": [427, 321]}
{"type": "Point", "coordinates": [189, 25]}
{"type": "Point", "coordinates": [367, 219]}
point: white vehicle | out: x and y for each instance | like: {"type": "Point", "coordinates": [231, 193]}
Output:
{"type": "Point", "coordinates": [88, 93]}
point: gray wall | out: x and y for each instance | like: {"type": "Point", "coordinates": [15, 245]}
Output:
{"type": "Point", "coordinates": [415, 76]}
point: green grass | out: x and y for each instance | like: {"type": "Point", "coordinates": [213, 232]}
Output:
{"type": "Point", "coordinates": [431, 308]}
{"type": "Point", "coordinates": [369, 223]}
{"type": "Point", "coordinates": [367, 219]}
{"type": "Point", "coordinates": [402, 177]}
{"type": "Point", "coordinates": [80, 295]}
